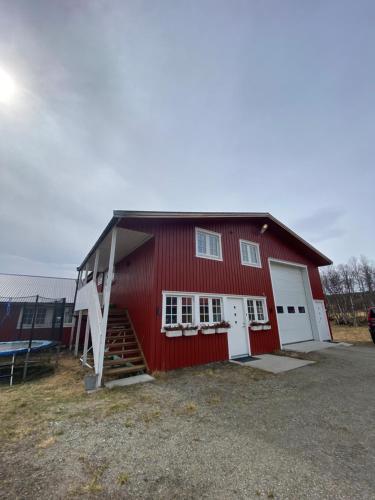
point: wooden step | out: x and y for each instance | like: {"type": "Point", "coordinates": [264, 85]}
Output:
{"type": "Point", "coordinates": [120, 344]}
{"type": "Point", "coordinates": [121, 361]}
{"type": "Point", "coordinates": [122, 352]}
{"type": "Point", "coordinates": [128, 369]}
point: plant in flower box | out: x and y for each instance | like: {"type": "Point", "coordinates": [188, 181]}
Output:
{"type": "Point", "coordinates": [207, 329]}
{"type": "Point", "coordinates": [173, 330]}
{"type": "Point", "coordinates": [222, 327]}
{"type": "Point", "coordinates": [256, 325]}
{"type": "Point", "coordinates": [190, 330]}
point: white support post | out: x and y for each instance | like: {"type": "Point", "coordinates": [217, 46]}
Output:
{"type": "Point", "coordinates": [96, 264]}
{"type": "Point", "coordinates": [80, 315]}
{"type": "Point", "coordinates": [106, 296]}
{"type": "Point", "coordinates": [78, 333]}
{"type": "Point", "coordinates": [74, 316]}
{"type": "Point", "coordinates": [85, 345]}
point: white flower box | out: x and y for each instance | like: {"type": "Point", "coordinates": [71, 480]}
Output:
{"type": "Point", "coordinates": [173, 333]}
{"type": "Point", "coordinates": [260, 327]}
{"type": "Point", "coordinates": [208, 331]}
{"type": "Point", "coordinates": [190, 333]}
{"type": "Point", "coordinates": [222, 330]}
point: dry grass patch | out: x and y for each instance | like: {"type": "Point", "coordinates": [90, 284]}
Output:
{"type": "Point", "coordinates": [351, 334]}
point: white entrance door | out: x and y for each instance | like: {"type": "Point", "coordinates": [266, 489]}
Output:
{"type": "Point", "coordinates": [238, 335]}
{"type": "Point", "coordinates": [322, 320]}
{"type": "Point", "coordinates": [291, 303]}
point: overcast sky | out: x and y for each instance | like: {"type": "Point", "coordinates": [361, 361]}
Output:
{"type": "Point", "coordinates": [184, 105]}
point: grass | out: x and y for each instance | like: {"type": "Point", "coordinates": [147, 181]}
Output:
{"type": "Point", "coordinates": [350, 334]}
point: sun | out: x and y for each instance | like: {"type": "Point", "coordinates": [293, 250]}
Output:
{"type": "Point", "coordinates": [8, 87]}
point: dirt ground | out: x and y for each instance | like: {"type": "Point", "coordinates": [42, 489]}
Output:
{"type": "Point", "coordinates": [219, 431]}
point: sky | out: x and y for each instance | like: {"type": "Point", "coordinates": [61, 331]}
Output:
{"type": "Point", "coordinates": [202, 105]}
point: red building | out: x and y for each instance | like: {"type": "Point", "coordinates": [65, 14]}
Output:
{"type": "Point", "coordinates": [180, 275]}
{"type": "Point", "coordinates": [40, 306]}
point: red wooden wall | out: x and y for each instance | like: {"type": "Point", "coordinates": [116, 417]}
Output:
{"type": "Point", "coordinates": [168, 262]}
{"type": "Point", "coordinates": [9, 331]}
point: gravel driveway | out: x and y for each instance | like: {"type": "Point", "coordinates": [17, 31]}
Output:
{"type": "Point", "coordinates": [221, 431]}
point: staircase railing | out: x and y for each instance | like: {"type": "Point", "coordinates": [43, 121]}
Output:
{"type": "Point", "coordinates": [88, 299]}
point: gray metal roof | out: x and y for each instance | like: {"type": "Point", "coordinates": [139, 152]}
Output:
{"type": "Point", "coordinates": [24, 288]}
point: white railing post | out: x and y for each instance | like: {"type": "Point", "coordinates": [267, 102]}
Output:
{"type": "Point", "coordinates": [106, 297]}
{"type": "Point", "coordinates": [80, 316]}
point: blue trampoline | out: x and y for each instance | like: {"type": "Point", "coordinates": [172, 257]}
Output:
{"type": "Point", "coordinates": [22, 346]}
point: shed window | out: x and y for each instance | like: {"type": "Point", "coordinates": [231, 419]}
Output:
{"type": "Point", "coordinates": [301, 309]}
{"type": "Point", "coordinates": [27, 317]}
{"type": "Point", "coordinates": [280, 309]}
{"type": "Point", "coordinates": [40, 316]}
{"type": "Point", "coordinates": [178, 309]}
{"type": "Point", "coordinates": [291, 310]}
{"type": "Point", "coordinates": [208, 244]}
{"type": "Point", "coordinates": [250, 253]}
{"type": "Point", "coordinates": [256, 310]}
{"type": "Point", "coordinates": [210, 310]}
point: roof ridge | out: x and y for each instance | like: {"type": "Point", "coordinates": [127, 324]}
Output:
{"type": "Point", "coordinates": [37, 276]}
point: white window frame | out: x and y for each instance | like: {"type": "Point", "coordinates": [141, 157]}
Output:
{"type": "Point", "coordinates": [210, 309]}
{"type": "Point", "coordinates": [179, 308]}
{"type": "Point", "coordinates": [208, 256]}
{"type": "Point", "coordinates": [251, 264]}
{"type": "Point", "coordinates": [224, 307]}
{"type": "Point", "coordinates": [265, 310]}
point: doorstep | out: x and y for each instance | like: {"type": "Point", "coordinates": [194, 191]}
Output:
{"type": "Point", "coordinates": [136, 379]}
{"type": "Point", "coordinates": [275, 364]}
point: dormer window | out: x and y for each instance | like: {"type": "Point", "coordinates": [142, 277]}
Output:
{"type": "Point", "coordinates": [250, 254]}
{"type": "Point", "coordinates": [208, 244]}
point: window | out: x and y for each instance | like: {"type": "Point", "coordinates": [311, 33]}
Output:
{"type": "Point", "coordinates": [178, 309]}
{"type": "Point", "coordinates": [280, 309]}
{"type": "Point", "coordinates": [27, 317]}
{"type": "Point", "coordinates": [210, 310]}
{"type": "Point", "coordinates": [208, 244]}
{"type": "Point", "coordinates": [256, 310]}
{"type": "Point", "coordinates": [40, 316]}
{"type": "Point", "coordinates": [291, 310]}
{"type": "Point", "coordinates": [301, 309]}
{"type": "Point", "coordinates": [68, 315]}
{"type": "Point", "coordinates": [250, 254]}
{"type": "Point", "coordinates": [186, 309]}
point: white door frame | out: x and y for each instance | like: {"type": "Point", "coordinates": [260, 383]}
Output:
{"type": "Point", "coordinates": [245, 315]}
{"type": "Point", "coordinates": [321, 301]}
{"type": "Point", "coordinates": [308, 292]}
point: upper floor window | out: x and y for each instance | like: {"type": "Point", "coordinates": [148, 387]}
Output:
{"type": "Point", "coordinates": [250, 254]}
{"type": "Point", "coordinates": [208, 244]}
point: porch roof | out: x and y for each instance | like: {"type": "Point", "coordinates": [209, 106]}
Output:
{"type": "Point", "coordinates": [131, 241]}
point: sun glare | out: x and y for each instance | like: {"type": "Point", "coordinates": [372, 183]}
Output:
{"type": "Point", "coordinates": [7, 87]}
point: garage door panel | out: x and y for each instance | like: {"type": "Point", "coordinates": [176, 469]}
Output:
{"type": "Point", "coordinates": [289, 290]}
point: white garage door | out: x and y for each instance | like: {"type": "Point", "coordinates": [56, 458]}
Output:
{"type": "Point", "coordinates": [291, 306]}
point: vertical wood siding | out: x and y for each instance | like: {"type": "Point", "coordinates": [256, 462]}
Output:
{"type": "Point", "coordinates": [168, 263]}
{"type": "Point", "coordinates": [133, 289]}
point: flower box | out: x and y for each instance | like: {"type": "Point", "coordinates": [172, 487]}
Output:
{"type": "Point", "coordinates": [208, 331]}
{"type": "Point", "coordinates": [222, 330]}
{"type": "Point", "coordinates": [173, 333]}
{"type": "Point", "coordinates": [257, 328]}
{"type": "Point", "coordinates": [189, 332]}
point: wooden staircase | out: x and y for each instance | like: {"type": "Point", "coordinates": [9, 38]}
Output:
{"type": "Point", "coordinates": [123, 354]}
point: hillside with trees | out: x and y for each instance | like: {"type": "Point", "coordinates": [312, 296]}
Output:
{"type": "Point", "coordinates": [349, 290]}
